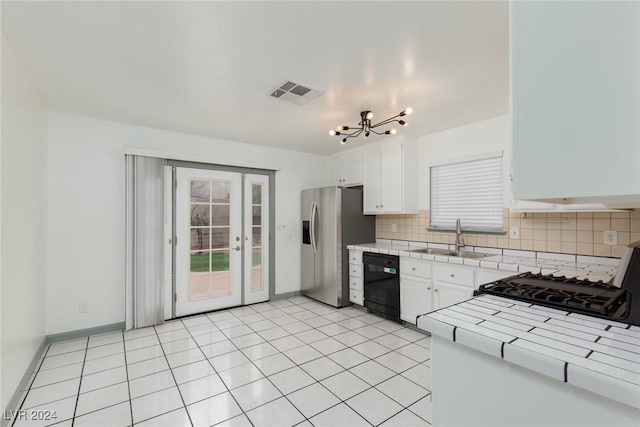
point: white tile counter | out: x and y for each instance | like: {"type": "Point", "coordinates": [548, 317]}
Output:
{"type": "Point", "coordinates": [594, 354]}
{"type": "Point", "coordinates": [582, 267]}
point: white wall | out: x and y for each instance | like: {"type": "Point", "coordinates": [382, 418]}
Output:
{"type": "Point", "coordinates": [475, 139]}
{"type": "Point", "coordinates": [24, 202]}
{"type": "Point", "coordinates": [86, 223]}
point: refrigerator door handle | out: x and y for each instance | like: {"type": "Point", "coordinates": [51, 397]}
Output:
{"type": "Point", "coordinates": [312, 233]}
{"type": "Point", "coordinates": [312, 227]}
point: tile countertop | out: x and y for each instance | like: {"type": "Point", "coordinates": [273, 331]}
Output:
{"type": "Point", "coordinates": [579, 266]}
{"type": "Point", "coordinates": [595, 354]}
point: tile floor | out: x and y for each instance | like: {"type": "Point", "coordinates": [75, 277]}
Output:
{"type": "Point", "coordinates": [284, 363]}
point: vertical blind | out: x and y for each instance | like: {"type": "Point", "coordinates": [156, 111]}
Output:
{"type": "Point", "coordinates": [144, 254]}
{"type": "Point", "coordinates": [471, 191]}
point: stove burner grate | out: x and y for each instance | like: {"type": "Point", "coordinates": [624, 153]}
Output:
{"type": "Point", "coordinates": [560, 292]}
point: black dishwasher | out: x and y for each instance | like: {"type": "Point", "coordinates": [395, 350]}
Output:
{"type": "Point", "coordinates": [382, 285]}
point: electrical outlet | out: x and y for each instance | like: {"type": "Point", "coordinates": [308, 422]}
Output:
{"type": "Point", "coordinates": [83, 307]}
{"type": "Point", "coordinates": [611, 237]}
{"type": "Point", "coordinates": [514, 233]}
{"type": "Point", "coordinates": [394, 228]}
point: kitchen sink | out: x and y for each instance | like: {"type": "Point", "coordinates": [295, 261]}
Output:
{"type": "Point", "coordinates": [432, 251]}
{"type": "Point", "coordinates": [467, 254]}
{"type": "Point", "coordinates": [446, 252]}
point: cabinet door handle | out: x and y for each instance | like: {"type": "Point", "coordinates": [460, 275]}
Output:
{"type": "Point", "coordinates": [453, 275]}
{"type": "Point", "coordinates": [435, 290]}
{"type": "Point", "coordinates": [377, 206]}
{"type": "Point", "coordinates": [429, 288]}
{"type": "Point", "coordinates": [413, 268]}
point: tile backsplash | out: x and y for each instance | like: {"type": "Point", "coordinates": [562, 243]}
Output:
{"type": "Point", "coordinates": [580, 233]}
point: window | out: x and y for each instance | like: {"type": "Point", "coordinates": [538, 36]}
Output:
{"type": "Point", "coordinates": [469, 190]}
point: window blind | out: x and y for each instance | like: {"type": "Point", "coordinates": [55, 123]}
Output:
{"type": "Point", "coordinates": [471, 191]}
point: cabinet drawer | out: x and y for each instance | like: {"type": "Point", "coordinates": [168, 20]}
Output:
{"type": "Point", "coordinates": [355, 257]}
{"type": "Point", "coordinates": [355, 297]}
{"type": "Point", "coordinates": [412, 267]}
{"type": "Point", "coordinates": [355, 270]}
{"type": "Point", "coordinates": [356, 283]}
{"type": "Point", "coordinates": [457, 275]}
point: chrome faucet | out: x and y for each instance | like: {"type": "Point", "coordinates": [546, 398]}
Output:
{"type": "Point", "coordinates": [459, 239]}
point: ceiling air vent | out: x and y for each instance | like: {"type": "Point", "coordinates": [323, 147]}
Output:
{"type": "Point", "coordinates": [296, 93]}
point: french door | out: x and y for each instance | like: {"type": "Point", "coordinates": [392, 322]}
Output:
{"type": "Point", "coordinates": [215, 252]}
{"type": "Point", "coordinates": [256, 249]}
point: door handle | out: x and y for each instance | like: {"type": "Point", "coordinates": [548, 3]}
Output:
{"type": "Point", "coordinates": [237, 248]}
{"type": "Point", "coordinates": [314, 214]}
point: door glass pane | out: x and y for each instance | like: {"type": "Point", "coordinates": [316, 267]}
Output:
{"type": "Point", "coordinates": [220, 238]}
{"type": "Point", "coordinates": [200, 191]}
{"type": "Point", "coordinates": [257, 215]}
{"type": "Point", "coordinates": [220, 261]}
{"type": "Point", "coordinates": [220, 214]}
{"type": "Point", "coordinates": [200, 215]}
{"type": "Point", "coordinates": [200, 239]}
{"type": "Point", "coordinates": [257, 236]}
{"type": "Point", "coordinates": [199, 276]}
{"type": "Point", "coordinates": [256, 270]}
{"type": "Point", "coordinates": [220, 192]}
{"type": "Point", "coordinates": [220, 274]}
{"type": "Point", "coordinates": [199, 261]}
{"type": "Point", "coordinates": [257, 194]}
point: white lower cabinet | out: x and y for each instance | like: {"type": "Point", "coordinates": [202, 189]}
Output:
{"type": "Point", "coordinates": [426, 286]}
{"type": "Point", "coordinates": [452, 284]}
{"type": "Point", "coordinates": [415, 288]}
{"type": "Point", "coordinates": [446, 294]}
{"type": "Point", "coordinates": [356, 288]}
{"type": "Point", "coordinates": [415, 297]}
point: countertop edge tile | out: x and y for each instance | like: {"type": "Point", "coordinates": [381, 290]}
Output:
{"type": "Point", "coordinates": [436, 327]}
{"type": "Point", "coordinates": [482, 343]}
{"type": "Point", "coordinates": [472, 262]}
{"type": "Point", "coordinates": [604, 385]}
{"type": "Point", "coordinates": [535, 361]}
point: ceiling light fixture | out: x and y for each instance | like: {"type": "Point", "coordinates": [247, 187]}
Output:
{"type": "Point", "coordinates": [365, 126]}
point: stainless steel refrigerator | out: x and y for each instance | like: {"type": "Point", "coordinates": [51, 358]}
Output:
{"type": "Point", "coordinates": [331, 219]}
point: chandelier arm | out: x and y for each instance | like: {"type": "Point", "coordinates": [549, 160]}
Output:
{"type": "Point", "coordinates": [377, 133]}
{"type": "Point", "coordinates": [352, 134]}
{"type": "Point", "coordinates": [356, 134]}
{"type": "Point", "coordinates": [386, 122]}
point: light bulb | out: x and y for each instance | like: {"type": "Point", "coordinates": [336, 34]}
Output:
{"type": "Point", "coordinates": [369, 115]}
{"type": "Point", "coordinates": [332, 132]}
{"type": "Point", "coordinates": [393, 131]}
{"type": "Point", "coordinates": [408, 111]}
{"type": "Point", "coordinates": [344, 141]}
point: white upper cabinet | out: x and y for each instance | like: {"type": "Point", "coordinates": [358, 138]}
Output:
{"type": "Point", "coordinates": [345, 169]}
{"type": "Point", "coordinates": [372, 174]}
{"type": "Point", "coordinates": [575, 101]}
{"type": "Point", "coordinates": [390, 177]}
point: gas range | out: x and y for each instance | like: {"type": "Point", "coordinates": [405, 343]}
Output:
{"type": "Point", "coordinates": [619, 301]}
{"type": "Point", "coordinates": [569, 294]}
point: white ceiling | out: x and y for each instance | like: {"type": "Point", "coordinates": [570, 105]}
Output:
{"type": "Point", "coordinates": [208, 67]}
